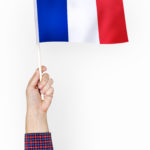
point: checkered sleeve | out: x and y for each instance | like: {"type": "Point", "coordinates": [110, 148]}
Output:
{"type": "Point", "coordinates": [38, 141]}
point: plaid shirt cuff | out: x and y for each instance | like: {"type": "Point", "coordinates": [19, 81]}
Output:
{"type": "Point", "coordinates": [38, 141]}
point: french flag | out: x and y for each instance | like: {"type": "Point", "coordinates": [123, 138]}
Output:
{"type": "Point", "coordinates": [96, 21]}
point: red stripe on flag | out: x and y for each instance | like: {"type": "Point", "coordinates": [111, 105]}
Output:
{"type": "Point", "coordinates": [111, 22]}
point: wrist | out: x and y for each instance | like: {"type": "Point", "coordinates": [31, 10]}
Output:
{"type": "Point", "coordinates": [36, 122]}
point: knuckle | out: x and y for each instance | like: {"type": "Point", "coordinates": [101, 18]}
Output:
{"type": "Point", "coordinates": [45, 77]}
{"type": "Point", "coordinates": [44, 90]}
{"type": "Point", "coordinates": [52, 90]}
{"type": "Point", "coordinates": [52, 81]}
{"type": "Point", "coordinates": [48, 92]}
{"type": "Point", "coordinates": [46, 74]}
{"type": "Point", "coordinates": [51, 96]}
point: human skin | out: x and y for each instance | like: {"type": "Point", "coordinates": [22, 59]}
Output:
{"type": "Point", "coordinates": [36, 115]}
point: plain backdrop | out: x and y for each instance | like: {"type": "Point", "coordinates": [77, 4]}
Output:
{"type": "Point", "coordinates": [102, 92]}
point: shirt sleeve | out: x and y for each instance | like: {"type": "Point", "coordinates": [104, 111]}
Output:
{"type": "Point", "coordinates": [38, 141]}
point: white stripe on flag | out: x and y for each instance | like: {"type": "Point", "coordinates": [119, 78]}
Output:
{"type": "Point", "coordinates": [82, 21]}
{"type": "Point", "coordinates": [36, 22]}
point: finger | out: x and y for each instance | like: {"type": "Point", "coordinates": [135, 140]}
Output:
{"type": "Point", "coordinates": [44, 81]}
{"type": "Point", "coordinates": [50, 92]}
{"type": "Point", "coordinates": [47, 86]}
{"type": "Point", "coordinates": [43, 69]}
{"type": "Point", "coordinates": [47, 102]}
{"type": "Point", "coordinates": [36, 77]}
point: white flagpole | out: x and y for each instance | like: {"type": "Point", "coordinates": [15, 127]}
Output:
{"type": "Point", "coordinates": [39, 60]}
{"type": "Point", "coordinates": [38, 43]}
{"type": "Point", "coordinates": [39, 65]}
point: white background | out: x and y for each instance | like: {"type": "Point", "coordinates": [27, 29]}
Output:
{"type": "Point", "coordinates": [102, 92]}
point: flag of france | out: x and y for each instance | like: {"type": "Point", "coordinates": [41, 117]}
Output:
{"type": "Point", "coordinates": [96, 21]}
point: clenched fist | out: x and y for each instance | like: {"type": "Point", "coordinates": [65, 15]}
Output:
{"type": "Point", "coordinates": [36, 117]}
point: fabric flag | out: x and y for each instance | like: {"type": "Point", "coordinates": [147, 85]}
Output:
{"type": "Point", "coordinates": [96, 21]}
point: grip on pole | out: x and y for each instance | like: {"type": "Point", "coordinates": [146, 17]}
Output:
{"type": "Point", "coordinates": [39, 65]}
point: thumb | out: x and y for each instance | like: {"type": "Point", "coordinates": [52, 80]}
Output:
{"type": "Point", "coordinates": [36, 77]}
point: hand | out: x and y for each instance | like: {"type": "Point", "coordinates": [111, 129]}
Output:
{"type": "Point", "coordinates": [36, 117]}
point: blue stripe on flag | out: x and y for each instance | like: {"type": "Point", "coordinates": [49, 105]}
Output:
{"type": "Point", "coordinates": [52, 20]}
